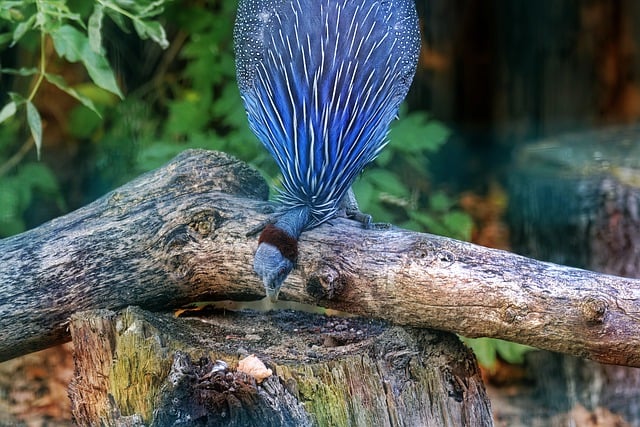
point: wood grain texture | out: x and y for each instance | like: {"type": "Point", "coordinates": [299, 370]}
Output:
{"type": "Point", "coordinates": [162, 371]}
{"type": "Point", "coordinates": [180, 234]}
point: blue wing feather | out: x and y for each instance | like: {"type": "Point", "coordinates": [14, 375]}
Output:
{"type": "Point", "coordinates": [321, 81]}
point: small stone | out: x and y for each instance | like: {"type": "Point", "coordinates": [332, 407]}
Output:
{"type": "Point", "coordinates": [252, 337]}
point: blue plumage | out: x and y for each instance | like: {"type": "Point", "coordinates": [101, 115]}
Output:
{"type": "Point", "coordinates": [321, 81]}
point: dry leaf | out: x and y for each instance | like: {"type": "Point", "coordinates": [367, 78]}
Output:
{"type": "Point", "coordinates": [253, 366]}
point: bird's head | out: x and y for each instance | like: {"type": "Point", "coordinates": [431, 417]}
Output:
{"type": "Point", "coordinates": [272, 267]}
{"type": "Point", "coordinates": [275, 258]}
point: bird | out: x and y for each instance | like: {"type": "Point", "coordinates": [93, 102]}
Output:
{"type": "Point", "coordinates": [321, 81]}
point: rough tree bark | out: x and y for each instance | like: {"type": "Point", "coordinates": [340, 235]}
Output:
{"type": "Point", "coordinates": [182, 233]}
{"type": "Point", "coordinates": [137, 368]}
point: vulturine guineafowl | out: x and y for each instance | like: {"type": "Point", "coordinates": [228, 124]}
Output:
{"type": "Point", "coordinates": [321, 80]}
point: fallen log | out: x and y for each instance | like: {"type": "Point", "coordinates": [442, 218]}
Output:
{"type": "Point", "coordinates": [182, 233]}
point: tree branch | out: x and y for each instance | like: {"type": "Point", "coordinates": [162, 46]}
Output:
{"type": "Point", "coordinates": [179, 235]}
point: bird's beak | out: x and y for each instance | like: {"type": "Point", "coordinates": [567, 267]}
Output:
{"type": "Point", "coordinates": [272, 293]}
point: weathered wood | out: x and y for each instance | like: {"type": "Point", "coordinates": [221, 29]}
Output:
{"type": "Point", "coordinates": [139, 244]}
{"type": "Point", "coordinates": [173, 236]}
{"type": "Point", "coordinates": [161, 371]}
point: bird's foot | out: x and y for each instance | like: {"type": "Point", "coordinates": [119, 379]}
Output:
{"type": "Point", "coordinates": [352, 211]}
{"type": "Point", "coordinates": [366, 220]}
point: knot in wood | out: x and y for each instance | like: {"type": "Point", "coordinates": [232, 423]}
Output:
{"type": "Point", "coordinates": [447, 257]}
{"type": "Point", "coordinates": [400, 359]}
{"type": "Point", "coordinates": [326, 283]}
{"type": "Point", "coordinates": [594, 310]}
{"type": "Point", "coordinates": [510, 314]}
{"type": "Point", "coordinates": [115, 197]}
{"type": "Point", "coordinates": [423, 251]}
{"type": "Point", "coordinates": [205, 222]}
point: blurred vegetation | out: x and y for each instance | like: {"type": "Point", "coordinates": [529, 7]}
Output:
{"type": "Point", "coordinates": [487, 351]}
{"type": "Point", "coordinates": [173, 88]}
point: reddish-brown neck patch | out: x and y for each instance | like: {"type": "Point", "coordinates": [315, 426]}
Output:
{"type": "Point", "coordinates": [287, 245]}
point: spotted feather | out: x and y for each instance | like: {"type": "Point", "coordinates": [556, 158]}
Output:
{"type": "Point", "coordinates": [321, 80]}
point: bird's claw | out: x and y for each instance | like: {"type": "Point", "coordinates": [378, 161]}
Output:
{"type": "Point", "coordinates": [366, 220]}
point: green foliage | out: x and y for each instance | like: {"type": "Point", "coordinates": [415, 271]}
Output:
{"type": "Point", "coordinates": [142, 13]}
{"type": "Point", "coordinates": [18, 191]}
{"type": "Point", "coordinates": [396, 188]}
{"type": "Point", "coordinates": [487, 351]}
{"type": "Point", "coordinates": [203, 104]}
{"type": "Point", "coordinates": [76, 38]}
{"type": "Point", "coordinates": [73, 45]}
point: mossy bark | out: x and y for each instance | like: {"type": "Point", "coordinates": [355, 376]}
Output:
{"type": "Point", "coordinates": [327, 371]}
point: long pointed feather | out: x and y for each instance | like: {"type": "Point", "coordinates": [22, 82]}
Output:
{"type": "Point", "coordinates": [321, 81]}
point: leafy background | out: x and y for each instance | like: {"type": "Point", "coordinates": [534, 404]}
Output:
{"type": "Point", "coordinates": [95, 93]}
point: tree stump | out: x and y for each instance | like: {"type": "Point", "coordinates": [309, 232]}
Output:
{"type": "Point", "coordinates": [575, 200]}
{"type": "Point", "coordinates": [137, 368]}
{"type": "Point", "coordinates": [186, 233]}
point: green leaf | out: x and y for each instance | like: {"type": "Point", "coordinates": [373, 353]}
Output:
{"type": "Point", "coordinates": [35, 125]}
{"type": "Point", "coordinates": [437, 132]}
{"type": "Point", "coordinates": [61, 84]}
{"type": "Point", "coordinates": [96, 94]}
{"type": "Point", "coordinates": [95, 29]}
{"type": "Point", "coordinates": [8, 111]}
{"type": "Point", "coordinates": [69, 43]}
{"type": "Point", "coordinates": [512, 352]}
{"type": "Point", "coordinates": [74, 46]}
{"type": "Point", "coordinates": [484, 349]}
{"type": "Point", "coordinates": [83, 123]}
{"type": "Point", "coordinates": [417, 133]}
{"type": "Point", "coordinates": [152, 9]}
{"type": "Point", "coordinates": [152, 30]}
{"type": "Point", "coordinates": [119, 20]}
{"type": "Point", "coordinates": [388, 182]}
{"type": "Point", "coordinates": [440, 202]}
{"type": "Point", "coordinates": [11, 11]}
{"type": "Point", "coordinates": [459, 225]}
{"type": "Point", "coordinates": [17, 98]}
{"type": "Point", "coordinates": [22, 28]}
{"type": "Point", "coordinates": [21, 71]}
{"type": "Point", "coordinates": [5, 39]}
